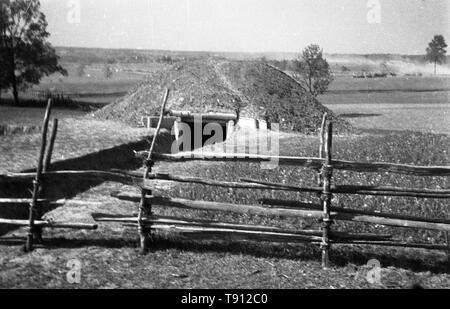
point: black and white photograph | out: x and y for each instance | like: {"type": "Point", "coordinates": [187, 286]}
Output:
{"type": "Point", "coordinates": [224, 149]}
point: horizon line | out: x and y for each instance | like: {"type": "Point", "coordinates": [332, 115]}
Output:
{"type": "Point", "coordinates": [237, 52]}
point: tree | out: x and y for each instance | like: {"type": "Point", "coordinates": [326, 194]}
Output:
{"type": "Point", "coordinates": [436, 51]}
{"type": "Point", "coordinates": [28, 56]}
{"type": "Point", "coordinates": [313, 71]}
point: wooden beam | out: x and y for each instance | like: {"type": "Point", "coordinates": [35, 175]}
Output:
{"type": "Point", "coordinates": [228, 184]}
{"type": "Point", "coordinates": [379, 167]}
{"type": "Point", "coordinates": [145, 208]}
{"type": "Point", "coordinates": [116, 176]}
{"type": "Point", "coordinates": [34, 206]}
{"type": "Point", "coordinates": [232, 234]}
{"type": "Point", "coordinates": [327, 175]}
{"type": "Point", "coordinates": [321, 147]}
{"type": "Point", "coordinates": [215, 206]}
{"type": "Point", "coordinates": [49, 224]}
{"type": "Point", "coordinates": [394, 244]}
{"type": "Point", "coordinates": [51, 145]}
{"type": "Point", "coordinates": [206, 116]}
{"type": "Point", "coordinates": [309, 162]}
{"type": "Point", "coordinates": [230, 157]}
{"type": "Point", "coordinates": [216, 224]}
{"type": "Point", "coordinates": [362, 190]}
{"type": "Point", "coordinates": [24, 201]}
{"type": "Point", "coordinates": [297, 209]}
{"type": "Point", "coordinates": [344, 214]}
{"type": "Point", "coordinates": [133, 178]}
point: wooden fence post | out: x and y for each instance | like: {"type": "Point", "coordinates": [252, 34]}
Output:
{"type": "Point", "coordinates": [47, 161]}
{"type": "Point", "coordinates": [144, 211]}
{"type": "Point", "coordinates": [447, 240]}
{"type": "Point", "coordinates": [327, 174]}
{"type": "Point", "coordinates": [321, 154]}
{"type": "Point", "coordinates": [49, 154]}
{"type": "Point", "coordinates": [145, 208]}
{"type": "Point", "coordinates": [34, 205]}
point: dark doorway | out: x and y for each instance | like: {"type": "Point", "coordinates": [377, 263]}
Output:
{"type": "Point", "coordinates": [206, 137]}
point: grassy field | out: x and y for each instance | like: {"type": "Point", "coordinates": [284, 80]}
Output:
{"type": "Point", "coordinates": [391, 90]}
{"type": "Point", "coordinates": [399, 83]}
{"type": "Point", "coordinates": [431, 118]}
{"type": "Point", "coordinates": [394, 103]}
{"type": "Point", "coordinates": [10, 115]}
{"type": "Point", "coordinates": [91, 87]}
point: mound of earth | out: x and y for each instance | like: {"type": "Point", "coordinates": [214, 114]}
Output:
{"type": "Point", "coordinates": [248, 89]}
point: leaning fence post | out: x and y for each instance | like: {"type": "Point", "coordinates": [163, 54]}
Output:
{"type": "Point", "coordinates": [34, 205]}
{"type": "Point", "coordinates": [145, 208]}
{"type": "Point", "coordinates": [49, 153]}
{"type": "Point", "coordinates": [327, 174]}
{"type": "Point", "coordinates": [46, 165]}
{"type": "Point", "coordinates": [321, 155]}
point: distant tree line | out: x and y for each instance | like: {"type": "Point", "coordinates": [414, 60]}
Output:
{"type": "Point", "coordinates": [104, 56]}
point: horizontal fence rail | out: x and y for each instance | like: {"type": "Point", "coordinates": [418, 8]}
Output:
{"type": "Point", "coordinates": [131, 178]}
{"type": "Point", "coordinates": [396, 244]}
{"type": "Point", "coordinates": [315, 163]}
{"type": "Point", "coordinates": [297, 209]}
{"type": "Point", "coordinates": [50, 224]}
{"type": "Point", "coordinates": [155, 221]}
{"type": "Point", "coordinates": [353, 215]}
{"type": "Point", "coordinates": [216, 206]}
{"type": "Point", "coordinates": [348, 189]}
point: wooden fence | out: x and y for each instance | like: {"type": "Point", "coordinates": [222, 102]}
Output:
{"type": "Point", "coordinates": [146, 221]}
{"type": "Point", "coordinates": [35, 223]}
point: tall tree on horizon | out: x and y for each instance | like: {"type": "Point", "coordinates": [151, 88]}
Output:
{"type": "Point", "coordinates": [26, 55]}
{"type": "Point", "coordinates": [436, 51]}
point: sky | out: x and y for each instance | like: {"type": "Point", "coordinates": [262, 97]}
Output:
{"type": "Point", "coordinates": [338, 26]}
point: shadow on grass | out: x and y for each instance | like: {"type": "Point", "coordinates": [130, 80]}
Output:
{"type": "Point", "coordinates": [340, 256]}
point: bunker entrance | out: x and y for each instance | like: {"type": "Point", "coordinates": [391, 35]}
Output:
{"type": "Point", "coordinates": [204, 129]}
{"type": "Point", "coordinates": [211, 133]}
